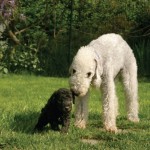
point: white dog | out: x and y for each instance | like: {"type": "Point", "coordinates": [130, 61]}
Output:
{"type": "Point", "coordinates": [98, 64]}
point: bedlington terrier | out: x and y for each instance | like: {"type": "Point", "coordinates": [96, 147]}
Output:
{"type": "Point", "coordinates": [98, 64]}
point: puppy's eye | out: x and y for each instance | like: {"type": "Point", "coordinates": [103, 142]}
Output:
{"type": "Point", "coordinates": [89, 74]}
{"type": "Point", "coordinates": [73, 71]}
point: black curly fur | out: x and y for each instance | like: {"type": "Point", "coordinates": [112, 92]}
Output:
{"type": "Point", "coordinates": [56, 111]}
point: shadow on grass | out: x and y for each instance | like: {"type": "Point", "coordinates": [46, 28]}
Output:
{"type": "Point", "coordinates": [95, 120]}
{"type": "Point", "coordinates": [24, 122]}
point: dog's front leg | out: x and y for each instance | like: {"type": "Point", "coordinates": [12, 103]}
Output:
{"type": "Point", "coordinates": [109, 105]}
{"type": "Point", "coordinates": [65, 124]}
{"type": "Point", "coordinates": [81, 111]}
{"type": "Point", "coordinates": [54, 125]}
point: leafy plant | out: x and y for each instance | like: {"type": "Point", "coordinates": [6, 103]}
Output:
{"type": "Point", "coordinates": [37, 32]}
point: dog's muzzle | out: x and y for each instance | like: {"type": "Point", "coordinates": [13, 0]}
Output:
{"type": "Point", "coordinates": [75, 92]}
{"type": "Point", "coordinates": [68, 109]}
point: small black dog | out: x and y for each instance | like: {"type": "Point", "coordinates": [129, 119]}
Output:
{"type": "Point", "coordinates": [56, 111]}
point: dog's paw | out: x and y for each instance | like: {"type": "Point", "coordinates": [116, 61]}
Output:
{"type": "Point", "coordinates": [136, 120]}
{"type": "Point", "coordinates": [80, 124]}
{"type": "Point", "coordinates": [112, 129]}
{"type": "Point", "coordinates": [64, 130]}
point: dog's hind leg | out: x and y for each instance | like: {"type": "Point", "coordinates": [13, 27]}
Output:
{"type": "Point", "coordinates": [42, 121]}
{"type": "Point", "coordinates": [130, 82]}
{"type": "Point", "coordinates": [54, 125]}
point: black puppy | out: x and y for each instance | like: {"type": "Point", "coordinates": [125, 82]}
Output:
{"type": "Point", "coordinates": [56, 111]}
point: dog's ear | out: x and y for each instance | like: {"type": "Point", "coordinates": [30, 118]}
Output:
{"type": "Point", "coordinates": [73, 97]}
{"type": "Point", "coordinates": [96, 81]}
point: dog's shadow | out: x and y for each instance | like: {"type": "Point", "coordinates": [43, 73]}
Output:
{"type": "Point", "coordinates": [25, 122]}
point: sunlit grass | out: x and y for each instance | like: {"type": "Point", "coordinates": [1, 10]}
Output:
{"type": "Point", "coordinates": [22, 97]}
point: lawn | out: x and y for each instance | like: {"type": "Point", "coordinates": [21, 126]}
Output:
{"type": "Point", "coordinates": [23, 96]}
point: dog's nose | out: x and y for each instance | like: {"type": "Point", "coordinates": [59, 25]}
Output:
{"type": "Point", "coordinates": [76, 93]}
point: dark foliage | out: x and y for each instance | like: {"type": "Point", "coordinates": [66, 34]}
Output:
{"type": "Point", "coordinates": [35, 34]}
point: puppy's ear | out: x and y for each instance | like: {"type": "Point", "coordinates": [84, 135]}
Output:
{"type": "Point", "coordinates": [96, 81]}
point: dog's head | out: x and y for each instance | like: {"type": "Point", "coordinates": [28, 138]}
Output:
{"type": "Point", "coordinates": [85, 69]}
{"type": "Point", "coordinates": [64, 99]}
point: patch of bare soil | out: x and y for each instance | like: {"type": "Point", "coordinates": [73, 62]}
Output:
{"type": "Point", "coordinates": [90, 141]}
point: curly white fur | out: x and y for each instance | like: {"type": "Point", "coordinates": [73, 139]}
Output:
{"type": "Point", "coordinates": [99, 63]}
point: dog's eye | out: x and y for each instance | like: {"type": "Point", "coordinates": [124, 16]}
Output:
{"type": "Point", "coordinates": [89, 74]}
{"type": "Point", "coordinates": [73, 71]}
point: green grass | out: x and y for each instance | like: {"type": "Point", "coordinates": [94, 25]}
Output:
{"type": "Point", "coordinates": [22, 97]}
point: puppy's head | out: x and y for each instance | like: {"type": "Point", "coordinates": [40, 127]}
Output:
{"type": "Point", "coordinates": [64, 100]}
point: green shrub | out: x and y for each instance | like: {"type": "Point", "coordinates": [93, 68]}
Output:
{"type": "Point", "coordinates": [142, 54]}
